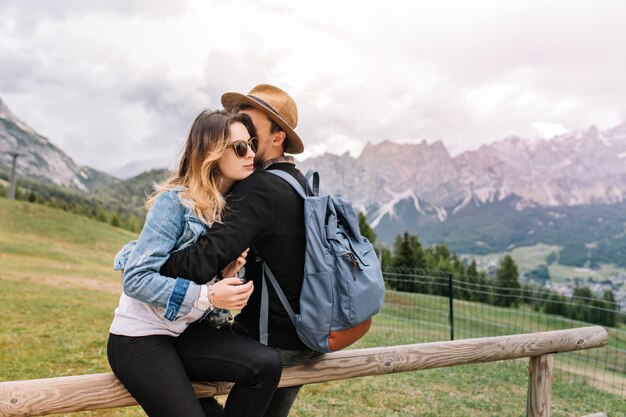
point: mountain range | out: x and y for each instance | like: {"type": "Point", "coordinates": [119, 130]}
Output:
{"type": "Point", "coordinates": [421, 188]}
{"type": "Point", "coordinates": [41, 160]}
{"type": "Point", "coordinates": [580, 168]}
{"type": "Point", "coordinates": [512, 192]}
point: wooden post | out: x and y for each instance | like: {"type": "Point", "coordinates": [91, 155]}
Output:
{"type": "Point", "coordinates": [540, 385]}
{"type": "Point", "coordinates": [13, 186]}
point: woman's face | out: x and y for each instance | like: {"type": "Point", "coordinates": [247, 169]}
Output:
{"type": "Point", "coordinates": [232, 167]}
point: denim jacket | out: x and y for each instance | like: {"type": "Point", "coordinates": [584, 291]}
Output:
{"type": "Point", "coordinates": [169, 226]}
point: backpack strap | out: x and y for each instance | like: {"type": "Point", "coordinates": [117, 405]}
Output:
{"type": "Point", "coordinates": [264, 313]}
{"type": "Point", "coordinates": [313, 189]}
{"type": "Point", "coordinates": [312, 182]}
{"type": "Point", "coordinates": [315, 184]}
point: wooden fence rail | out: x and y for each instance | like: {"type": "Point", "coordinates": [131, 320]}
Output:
{"type": "Point", "coordinates": [97, 391]}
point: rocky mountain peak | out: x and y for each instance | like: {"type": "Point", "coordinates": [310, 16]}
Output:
{"type": "Point", "coordinates": [40, 159]}
{"type": "Point", "coordinates": [7, 114]}
{"type": "Point", "coordinates": [586, 166]}
{"type": "Point", "coordinates": [3, 109]}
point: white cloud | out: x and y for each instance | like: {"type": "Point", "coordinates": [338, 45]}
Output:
{"type": "Point", "coordinates": [116, 81]}
{"type": "Point", "coordinates": [606, 120]}
{"type": "Point", "coordinates": [488, 98]}
{"type": "Point", "coordinates": [337, 144]}
{"type": "Point", "coordinates": [549, 130]}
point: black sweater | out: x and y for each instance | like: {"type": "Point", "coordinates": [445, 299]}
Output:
{"type": "Point", "coordinates": [264, 212]}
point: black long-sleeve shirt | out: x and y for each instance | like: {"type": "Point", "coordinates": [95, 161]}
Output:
{"type": "Point", "coordinates": [264, 212]}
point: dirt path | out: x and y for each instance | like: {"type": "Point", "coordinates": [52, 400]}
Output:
{"type": "Point", "coordinates": [60, 281]}
{"type": "Point", "coordinates": [600, 378]}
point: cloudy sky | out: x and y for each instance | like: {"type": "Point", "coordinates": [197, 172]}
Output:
{"type": "Point", "coordinates": [116, 81]}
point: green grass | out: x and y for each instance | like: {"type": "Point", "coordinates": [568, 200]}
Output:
{"type": "Point", "coordinates": [530, 257]}
{"type": "Point", "coordinates": [493, 389]}
{"type": "Point", "coordinates": [52, 326]}
{"type": "Point", "coordinates": [561, 272]}
{"type": "Point", "coordinates": [39, 243]}
{"type": "Point", "coordinates": [47, 332]}
{"type": "Point", "coordinates": [411, 318]}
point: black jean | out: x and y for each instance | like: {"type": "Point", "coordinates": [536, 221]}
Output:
{"type": "Point", "coordinates": [157, 371]}
{"type": "Point", "coordinates": [283, 398]}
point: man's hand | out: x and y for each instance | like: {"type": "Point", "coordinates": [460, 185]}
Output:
{"type": "Point", "coordinates": [234, 267]}
{"type": "Point", "coordinates": [230, 294]}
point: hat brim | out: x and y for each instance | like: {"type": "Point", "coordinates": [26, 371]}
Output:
{"type": "Point", "coordinates": [231, 101]}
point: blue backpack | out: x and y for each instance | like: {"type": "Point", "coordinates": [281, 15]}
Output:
{"type": "Point", "coordinates": [343, 284]}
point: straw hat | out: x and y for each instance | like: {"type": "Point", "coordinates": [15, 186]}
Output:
{"type": "Point", "coordinates": [276, 104]}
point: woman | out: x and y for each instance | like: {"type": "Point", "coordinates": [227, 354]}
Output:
{"type": "Point", "coordinates": [154, 309]}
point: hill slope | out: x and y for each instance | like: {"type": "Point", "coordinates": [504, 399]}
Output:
{"type": "Point", "coordinates": [53, 246]}
{"type": "Point", "coordinates": [132, 193]}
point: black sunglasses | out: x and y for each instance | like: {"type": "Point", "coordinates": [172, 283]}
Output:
{"type": "Point", "coordinates": [241, 146]}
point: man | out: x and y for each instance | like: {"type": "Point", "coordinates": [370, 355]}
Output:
{"type": "Point", "coordinates": [265, 213]}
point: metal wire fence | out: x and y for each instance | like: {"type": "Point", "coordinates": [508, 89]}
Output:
{"type": "Point", "coordinates": [436, 305]}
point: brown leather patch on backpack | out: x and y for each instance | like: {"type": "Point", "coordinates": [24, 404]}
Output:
{"type": "Point", "coordinates": [341, 338]}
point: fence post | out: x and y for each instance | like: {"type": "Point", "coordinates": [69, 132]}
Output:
{"type": "Point", "coordinates": [451, 305]}
{"type": "Point", "coordinates": [540, 385]}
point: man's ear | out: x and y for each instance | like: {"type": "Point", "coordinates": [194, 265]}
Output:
{"type": "Point", "coordinates": [279, 138]}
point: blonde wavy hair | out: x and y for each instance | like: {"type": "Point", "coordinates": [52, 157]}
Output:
{"type": "Point", "coordinates": [197, 171]}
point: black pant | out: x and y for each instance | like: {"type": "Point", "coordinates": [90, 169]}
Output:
{"type": "Point", "coordinates": [283, 398]}
{"type": "Point", "coordinates": [157, 370]}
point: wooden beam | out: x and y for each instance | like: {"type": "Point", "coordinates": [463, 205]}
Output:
{"type": "Point", "coordinates": [91, 392]}
{"type": "Point", "coordinates": [540, 371]}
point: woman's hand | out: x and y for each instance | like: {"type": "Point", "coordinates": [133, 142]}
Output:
{"type": "Point", "coordinates": [230, 294]}
{"type": "Point", "coordinates": [234, 267]}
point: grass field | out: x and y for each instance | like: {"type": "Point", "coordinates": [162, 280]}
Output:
{"type": "Point", "coordinates": [530, 257]}
{"type": "Point", "coordinates": [57, 295]}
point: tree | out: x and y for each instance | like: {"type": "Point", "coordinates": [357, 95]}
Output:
{"type": "Point", "coordinates": [457, 265]}
{"type": "Point", "coordinates": [470, 289]}
{"type": "Point", "coordinates": [429, 258]}
{"type": "Point", "coordinates": [442, 252]}
{"type": "Point", "coordinates": [483, 294]}
{"type": "Point", "coordinates": [133, 224]}
{"type": "Point", "coordinates": [384, 256]}
{"type": "Point", "coordinates": [541, 274]}
{"type": "Point", "coordinates": [472, 269]}
{"type": "Point", "coordinates": [507, 284]}
{"type": "Point", "coordinates": [610, 315]}
{"type": "Point", "coordinates": [575, 254]}
{"type": "Point", "coordinates": [408, 253]}
{"type": "Point", "coordinates": [555, 304]}
{"type": "Point", "coordinates": [580, 308]}
{"type": "Point", "coordinates": [115, 220]}
{"type": "Point", "coordinates": [583, 293]}
{"type": "Point", "coordinates": [101, 215]}
{"type": "Point", "coordinates": [365, 228]}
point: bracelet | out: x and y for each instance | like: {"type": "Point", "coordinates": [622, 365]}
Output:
{"type": "Point", "coordinates": [203, 301]}
{"type": "Point", "coordinates": [211, 296]}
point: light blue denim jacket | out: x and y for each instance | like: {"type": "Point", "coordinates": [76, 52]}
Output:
{"type": "Point", "coordinates": [169, 227]}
